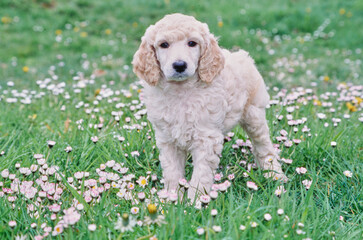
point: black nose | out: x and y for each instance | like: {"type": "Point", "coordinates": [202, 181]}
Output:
{"type": "Point", "coordinates": [180, 66]}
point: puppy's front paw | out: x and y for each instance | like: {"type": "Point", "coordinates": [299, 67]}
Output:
{"type": "Point", "coordinates": [274, 169]}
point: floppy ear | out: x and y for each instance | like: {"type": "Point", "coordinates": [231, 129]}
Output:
{"type": "Point", "coordinates": [146, 66]}
{"type": "Point", "coordinates": [211, 61]}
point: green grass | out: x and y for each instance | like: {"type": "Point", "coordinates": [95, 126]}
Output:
{"type": "Point", "coordinates": [28, 39]}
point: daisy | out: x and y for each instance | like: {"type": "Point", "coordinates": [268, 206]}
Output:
{"type": "Point", "coordinates": [126, 223]}
{"type": "Point", "coordinates": [301, 170]}
{"type": "Point", "coordinates": [200, 231]}
{"type": "Point", "coordinates": [217, 229]}
{"type": "Point", "coordinates": [92, 227]}
{"type": "Point", "coordinates": [134, 210]}
{"type": "Point", "coordinates": [242, 227]}
{"type": "Point", "coordinates": [252, 185]}
{"type": "Point", "coordinates": [348, 173]}
{"type": "Point", "coordinates": [267, 216]}
{"type": "Point", "coordinates": [142, 181]}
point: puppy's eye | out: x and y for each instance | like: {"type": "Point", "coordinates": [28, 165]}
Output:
{"type": "Point", "coordinates": [192, 44]}
{"type": "Point", "coordinates": [164, 45]}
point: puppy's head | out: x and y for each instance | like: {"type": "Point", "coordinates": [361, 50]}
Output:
{"type": "Point", "coordinates": [177, 48]}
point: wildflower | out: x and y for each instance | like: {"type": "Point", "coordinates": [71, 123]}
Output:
{"type": "Point", "coordinates": [142, 181]}
{"type": "Point", "coordinates": [301, 170]}
{"type": "Point", "coordinates": [126, 223]}
{"type": "Point", "coordinates": [12, 224]}
{"type": "Point", "coordinates": [182, 182]}
{"type": "Point", "coordinates": [280, 211]}
{"type": "Point", "coordinates": [134, 210]}
{"type": "Point", "coordinates": [333, 144]}
{"type": "Point", "coordinates": [214, 212]}
{"type": "Point", "coordinates": [217, 177]}
{"type": "Point", "coordinates": [71, 216]}
{"type": "Point", "coordinates": [141, 196]}
{"type": "Point", "coordinates": [307, 183]}
{"type": "Point", "coordinates": [173, 196]}
{"type": "Point", "coordinates": [300, 224]}
{"type": "Point", "coordinates": [68, 149]}
{"type": "Point", "coordinates": [154, 217]}
{"type": "Point", "coordinates": [58, 229]}
{"type": "Point", "coordinates": [94, 139]}
{"type": "Point", "coordinates": [267, 216]}
{"type": "Point", "coordinates": [108, 31]}
{"type": "Point", "coordinates": [92, 227]}
{"type": "Point", "coordinates": [25, 69]}
{"type": "Point", "coordinates": [280, 190]}
{"type": "Point", "coordinates": [213, 195]}
{"type": "Point", "coordinates": [205, 199]}
{"type": "Point", "coordinates": [217, 229]}
{"type": "Point", "coordinates": [242, 227]}
{"type": "Point", "coordinates": [300, 232]}
{"type": "Point", "coordinates": [341, 218]}
{"type": "Point", "coordinates": [5, 173]}
{"type": "Point", "coordinates": [252, 185]}
{"type": "Point", "coordinates": [20, 237]}
{"type": "Point", "coordinates": [254, 224]}
{"type": "Point", "coordinates": [200, 231]}
{"type": "Point", "coordinates": [51, 143]}
{"type": "Point", "coordinates": [348, 173]}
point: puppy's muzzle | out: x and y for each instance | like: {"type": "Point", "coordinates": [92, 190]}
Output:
{"type": "Point", "coordinates": [180, 66]}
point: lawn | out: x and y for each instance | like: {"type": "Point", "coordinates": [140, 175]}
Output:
{"type": "Point", "coordinates": [78, 157]}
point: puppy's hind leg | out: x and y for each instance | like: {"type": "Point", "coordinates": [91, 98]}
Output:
{"type": "Point", "coordinates": [255, 125]}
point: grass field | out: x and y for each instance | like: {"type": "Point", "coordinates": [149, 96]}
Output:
{"type": "Point", "coordinates": [66, 76]}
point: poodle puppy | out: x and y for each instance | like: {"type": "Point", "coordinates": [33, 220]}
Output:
{"type": "Point", "coordinates": [194, 93]}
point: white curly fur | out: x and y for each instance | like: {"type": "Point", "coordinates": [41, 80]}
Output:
{"type": "Point", "coordinates": [192, 111]}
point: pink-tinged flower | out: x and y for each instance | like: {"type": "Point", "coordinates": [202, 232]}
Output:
{"type": "Point", "coordinates": [280, 211]}
{"type": "Point", "coordinates": [283, 132]}
{"type": "Point", "coordinates": [94, 139]}
{"type": "Point", "coordinates": [252, 185]}
{"type": "Point", "coordinates": [141, 196]}
{"type": "Point", "coordinates": [348, 173]}
{"type": "Point", "coordinates": [341, 218]}
{"type": "Point", "coordinates": [163, 194]}
{"type": "Point", "coordinates": [231, 176]}
{"type": "Point", "coordinates": [205, 199]}
{"type": "Point", "coordinates": [214, 212]}
{"type": "Point", "coordinates": [296, 141]}
{"type": "Point", "coordinates": [54, 208]}
{"type": "Point", "coordinates": [182, 182]}
{"type": "Point", "coordinates": [217, 229]}
{"type": "Point", "coordinates": [51, 143]}
{"type": "Point", "coordinates": [135, 154]}
{"type": "Point", "coordinates": [267, 217]}
{"type": "Point", "coordinates": [38, 156]}
{"type": "Point", "coordinates": [110, 163]}
{"type": "Point", "coordinates": [288, 143]}
{"type": "Point", "coordinates": [280, 190]}
{"type": "Point", "coordinates": [242, 227]}
{"type": "Point", "coordinates": [71, 216]}
{"type": "Point", "coordinates": [5, 173]}
{"type": "Point", "coordinates": [217, 177]}
{"type": "Point", "coordinates": [68, 149]}
{"type": "Point", "coordinates": [173, 196]}
{"type": "Point", "coordinates": [307, 183]}
{"type": "Point", "coordinates": [130, 186]}
{"type": "Point", "coordinates": [41, 161]}
{"type": "Point", "coordinates": [213, 195]}
{"type": "Point", "coordinates": [301, 170]}
{"type": "Point", "coordinates": [12, 224]}
{"type": "Point", "coordinates": [58, 229]}
{"type": "Point", "coordinates": [38, 237]}
{"type": "Point", "coordinates": [200, 231]}
{"type": "Point", "coordinates": [92, 227]}
{"type": "Point", "coordinates": [134, 210]}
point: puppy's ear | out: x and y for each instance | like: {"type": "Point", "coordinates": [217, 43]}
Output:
{"type": "Point", "coordinates": [211, 61]}
{"type": "Point", "coordinates": [145, 63]}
